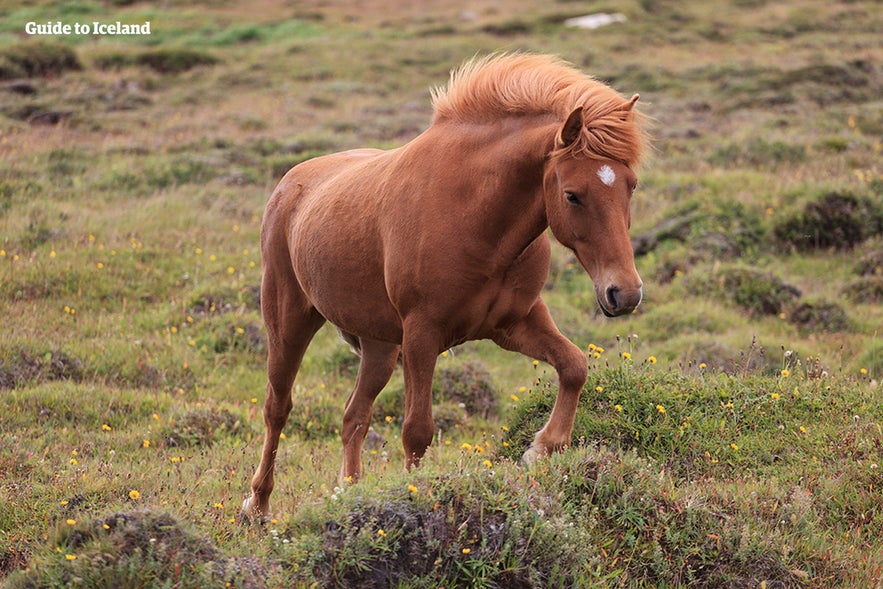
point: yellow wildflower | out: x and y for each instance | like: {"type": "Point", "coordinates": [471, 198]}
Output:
{"type": "Point", "coordinates": [661, 409]}
{"type": "Point", "coordinates": [652, 359]}
{"type": "Point", "coordinates": [134, 495]}
{"type": "Point", "coordinates": [413, 489]}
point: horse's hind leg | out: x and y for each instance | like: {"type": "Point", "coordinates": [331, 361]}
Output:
{"type": "Point", "coordinates": [291, 324]}
{"type": "Point", "coordinates": [378, 362]}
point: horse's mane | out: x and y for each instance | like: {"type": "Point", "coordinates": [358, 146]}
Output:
{"type": "Point", "coordinates": [495, 86]}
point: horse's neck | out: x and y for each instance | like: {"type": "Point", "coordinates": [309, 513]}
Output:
{"type": "Point", "coordinates": [499, 168]}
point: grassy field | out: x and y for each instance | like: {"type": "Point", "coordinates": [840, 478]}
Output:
{"type": "Point", "coordinates": [729, 435]}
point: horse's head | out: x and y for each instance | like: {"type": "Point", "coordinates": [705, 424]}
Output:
{"type": "Point", "coordinates": [587, 205]}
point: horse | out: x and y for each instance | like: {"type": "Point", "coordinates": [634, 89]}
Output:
{"type": "Point", "coordinates": [414, 250]}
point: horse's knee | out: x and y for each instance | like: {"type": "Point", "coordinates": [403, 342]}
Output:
{"type": "Point", "coordinates": [573, 370]}
{"type": "Point", "coordinates": [416, 438]}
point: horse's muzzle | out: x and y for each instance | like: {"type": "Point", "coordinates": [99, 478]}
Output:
{"type": "Point", "coordinates": [615, 301]}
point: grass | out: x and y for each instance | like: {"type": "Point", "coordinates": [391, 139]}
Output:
{"type": "Point", "coordinates": [729, 434]}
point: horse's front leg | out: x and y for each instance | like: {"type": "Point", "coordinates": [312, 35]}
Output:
{"type": "Point", "coordinates": [419, 354]}
{"type": "Point", "coordinates": [537, 336]}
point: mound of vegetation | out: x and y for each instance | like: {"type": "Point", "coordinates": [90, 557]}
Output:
{"type": "Point", "coordinates": [137, 549]}
{"type": "Point", "coordinates": [24, 368]}
{"type": "Point", "coordinates": [166, 60]}
{"type": "Point", "coordinates": [835, 220]}
{"type": "Point", "coordinates": [759, 293]}
{"type": "Point", "coordinates": [203, 427]}
{"type": "Point", "coordinates": [820, 316]}
{"type": "Point", "coordinates": [458, 392]}
{"type": "Point", "coordinates": [32, 59]}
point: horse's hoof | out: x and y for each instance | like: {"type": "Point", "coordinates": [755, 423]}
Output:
{"type": "Point", "coordinates": [530, 456]}
{"type": "Point", "coordinates": [249, 514]}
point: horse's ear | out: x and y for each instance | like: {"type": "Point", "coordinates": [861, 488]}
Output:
{"type": "Point", "coordinates": [631, 103]}
{"type": "Point", "coordinates": [572, 128]}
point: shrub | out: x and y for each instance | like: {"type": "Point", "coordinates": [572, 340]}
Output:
{"type": "Point", "coordinates": [203, 427]}
{"type": "Point", "coordinates": [25, 368]}
{"type": "Point", "coordinates": [174, 60]}
{"type": "Point", "coordinates": [871, 264]}
{"type": "Point", "coordinates": [760, 293]}
{"type": "Point", "coordinates": [820, 316]}
{"type": "Point", "coordinates": [467, 386]}
{"type": "Point", "coordinates": [835, 220]}
{"type": "Point", "coordinates": [37, 59]}
{"type": "Point", "coordinates": [758, 153]}
{"type": "Point", "coordinates": [138, 549]}
{"type": "Point", "coordinates": [867, 289]}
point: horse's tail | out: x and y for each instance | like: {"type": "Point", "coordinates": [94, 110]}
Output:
{"type": "Point", "coordinates": [354, 343]}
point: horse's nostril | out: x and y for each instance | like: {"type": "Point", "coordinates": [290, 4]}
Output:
{"type": "Point", "coordinates": [611, 298]}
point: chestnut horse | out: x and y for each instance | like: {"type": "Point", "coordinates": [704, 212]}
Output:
{"type": "Point", "coordinates": [417, 249]}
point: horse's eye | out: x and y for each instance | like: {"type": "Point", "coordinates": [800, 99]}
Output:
{"type": "Point", "coordinates": [571, 197]}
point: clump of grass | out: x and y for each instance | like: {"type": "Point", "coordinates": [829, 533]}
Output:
{"type": "Point", "coordinates": [37, 59]}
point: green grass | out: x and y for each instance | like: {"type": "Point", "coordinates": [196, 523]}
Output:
{"type": "Point", "coordinates": [746, 453]}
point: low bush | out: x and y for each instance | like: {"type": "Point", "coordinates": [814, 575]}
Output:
{"type": "Point", "coordinates": [759, 293]}
{"type": "Point", "coordinates": [37, 59]}
{"type": "Point", "coordinates": [820, 316]}
{"type": "Point", "coordinates": [835, 220]}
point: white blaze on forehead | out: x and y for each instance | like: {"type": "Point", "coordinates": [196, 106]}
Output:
{"type": "Point", "coordinates": [607, 175]}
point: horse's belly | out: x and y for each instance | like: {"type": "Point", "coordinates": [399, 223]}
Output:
{"type": "Point", "coordinates": [344, 281]}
